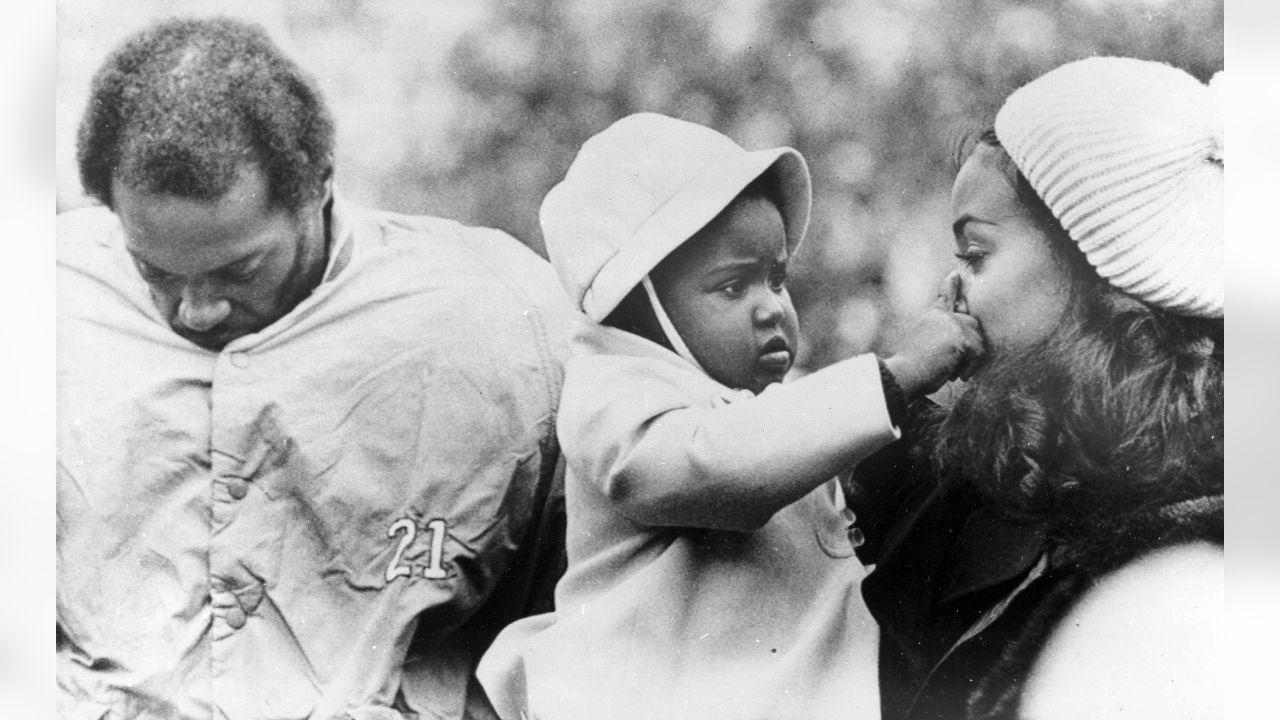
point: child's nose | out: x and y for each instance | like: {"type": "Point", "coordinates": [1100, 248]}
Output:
{"type": "Point", "coordinates": [769, 309]}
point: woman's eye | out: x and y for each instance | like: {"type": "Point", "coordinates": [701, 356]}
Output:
{"type": "Point", "coordinates": [972, 258]}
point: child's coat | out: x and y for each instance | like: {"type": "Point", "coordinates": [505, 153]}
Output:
{"type": "Point", "coordinates": [757, 613]}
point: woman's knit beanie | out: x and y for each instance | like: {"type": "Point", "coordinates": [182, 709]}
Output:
{"type": "Point", "coordinates": [1128, 155]}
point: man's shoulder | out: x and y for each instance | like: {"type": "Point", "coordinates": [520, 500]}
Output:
{"type": "Point", "coordinates": [470, 255]}
{"type": "Point", "coordinates": [479, 283]}
{"type": "Point", "coordinates": [87, 217]}
{"type": "Point", "coordinates": [89, 226]}
{"type": "Point", "coordinates": [90, 245]}
{"type": "Point", "coordinates": [450, 240]}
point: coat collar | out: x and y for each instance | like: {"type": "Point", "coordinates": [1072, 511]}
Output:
{"type": "Point", "coordinates": [991, 549]}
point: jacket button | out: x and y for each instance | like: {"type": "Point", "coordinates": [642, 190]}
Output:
{"type": "Point", "coordinates": [236, 618]}
{"type": "Point", "coordinates": [237, 488]}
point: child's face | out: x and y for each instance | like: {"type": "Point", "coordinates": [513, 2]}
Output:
{"type": "Point", "coordinates": [725, 292]}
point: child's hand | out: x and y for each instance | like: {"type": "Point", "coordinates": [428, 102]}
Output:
{"type": "Point", "coordinates": [943, 345]}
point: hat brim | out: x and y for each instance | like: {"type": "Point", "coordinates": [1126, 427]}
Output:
{"type": "Point", "coordinates": [691, 208]}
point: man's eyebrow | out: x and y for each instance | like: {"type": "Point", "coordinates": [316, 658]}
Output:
{"type": "Point", "coordinates": [238, 263]}
{"type": "Point", "coordinates": [246, 260]}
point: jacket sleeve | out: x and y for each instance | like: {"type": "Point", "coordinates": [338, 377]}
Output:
{"type": "Point", "coordinates": [666, 459]}
{"type": "Point", "coordinates": [1145, 641]}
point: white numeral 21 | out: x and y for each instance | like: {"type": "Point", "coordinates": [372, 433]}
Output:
{"type": "Point", "coordinates": [407, 529]}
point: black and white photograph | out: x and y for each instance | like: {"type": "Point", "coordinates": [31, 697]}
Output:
{"type": "Point", "coordinates": [634, 359]}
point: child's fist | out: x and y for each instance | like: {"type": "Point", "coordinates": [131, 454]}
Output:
{"type": "Point", "coordinates": [944, 344]}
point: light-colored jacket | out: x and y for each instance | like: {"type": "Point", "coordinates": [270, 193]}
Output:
{"type": "Point", "coordinates": [711, 572]}
{"type": "Point", "coordinates": [260, 532]}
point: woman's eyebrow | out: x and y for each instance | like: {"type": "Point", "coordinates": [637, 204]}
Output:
{"type": "Point", "coordinates": [957, 227]}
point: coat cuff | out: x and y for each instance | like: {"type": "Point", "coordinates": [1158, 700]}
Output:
{"type": "Point", "coordinates": [895, 400]}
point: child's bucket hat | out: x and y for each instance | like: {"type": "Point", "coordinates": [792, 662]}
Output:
{"type": "Point", "coordinates": [643, 186]}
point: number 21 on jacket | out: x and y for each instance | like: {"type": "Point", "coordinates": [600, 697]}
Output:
{"type": "Point", "coordinates": [407, 529]}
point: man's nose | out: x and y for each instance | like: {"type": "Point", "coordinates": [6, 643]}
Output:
{"type": "Point", "coordinates": [200, 309]}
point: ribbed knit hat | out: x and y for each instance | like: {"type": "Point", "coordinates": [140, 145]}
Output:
{"type": "Point", "coordinates": [643, 186]}
{"type": "Point", "coordinates": [1128, 155]}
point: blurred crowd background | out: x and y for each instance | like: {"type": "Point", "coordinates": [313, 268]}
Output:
{"type": "Point", "coordinates": [473, 109]}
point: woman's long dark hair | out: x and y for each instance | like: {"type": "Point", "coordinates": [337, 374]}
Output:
{"type": "Point", "coordinates": [1120, 409]}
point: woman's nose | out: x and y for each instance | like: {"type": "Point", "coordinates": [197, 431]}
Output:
{"type": "Point", "coordinates": [199, 309]}
{"type": "Point", "coordinates": [951, 293]}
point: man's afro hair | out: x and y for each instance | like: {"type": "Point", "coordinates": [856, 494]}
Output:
{"type": "Point", "coordinates": [184, 106]}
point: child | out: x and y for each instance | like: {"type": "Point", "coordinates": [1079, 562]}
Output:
{"type": "Point", "coordinates": [711, 557]}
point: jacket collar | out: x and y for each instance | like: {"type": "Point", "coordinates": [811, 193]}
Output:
{"type": "Point", "coordinates": [991, 549]}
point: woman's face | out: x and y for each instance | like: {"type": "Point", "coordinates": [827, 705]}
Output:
{"type": "Point", "coordinates": [1010, 279]}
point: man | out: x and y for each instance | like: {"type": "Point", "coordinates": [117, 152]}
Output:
{"type": "Point", "coordinates": [305, 450]}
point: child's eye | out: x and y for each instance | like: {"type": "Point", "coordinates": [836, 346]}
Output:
{"type": "Point", "coordinates": [777, 280]}
{"type": "Point", "coordinates": [732, 289]}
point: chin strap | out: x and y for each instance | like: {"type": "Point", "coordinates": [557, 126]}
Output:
{"type": "Point", "coordinates": [667, 327]}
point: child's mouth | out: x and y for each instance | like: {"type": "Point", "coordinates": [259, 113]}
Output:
{"type": "Point", "coordinates": [775, 356]}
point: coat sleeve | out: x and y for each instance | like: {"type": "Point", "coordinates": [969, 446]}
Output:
{"type": "Point", "coordinates": [1145, 641]}
{"type": "Point", "coordinates": [666, 458]}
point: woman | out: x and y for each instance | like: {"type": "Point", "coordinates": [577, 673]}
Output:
{"type": "Point", "coordinates": [1059, 550]}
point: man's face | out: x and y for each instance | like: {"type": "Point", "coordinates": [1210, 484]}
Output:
{"type": "Point", "coordinates": [725, 290]}
{"type": "Point", "coordinates": [222, 269]}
